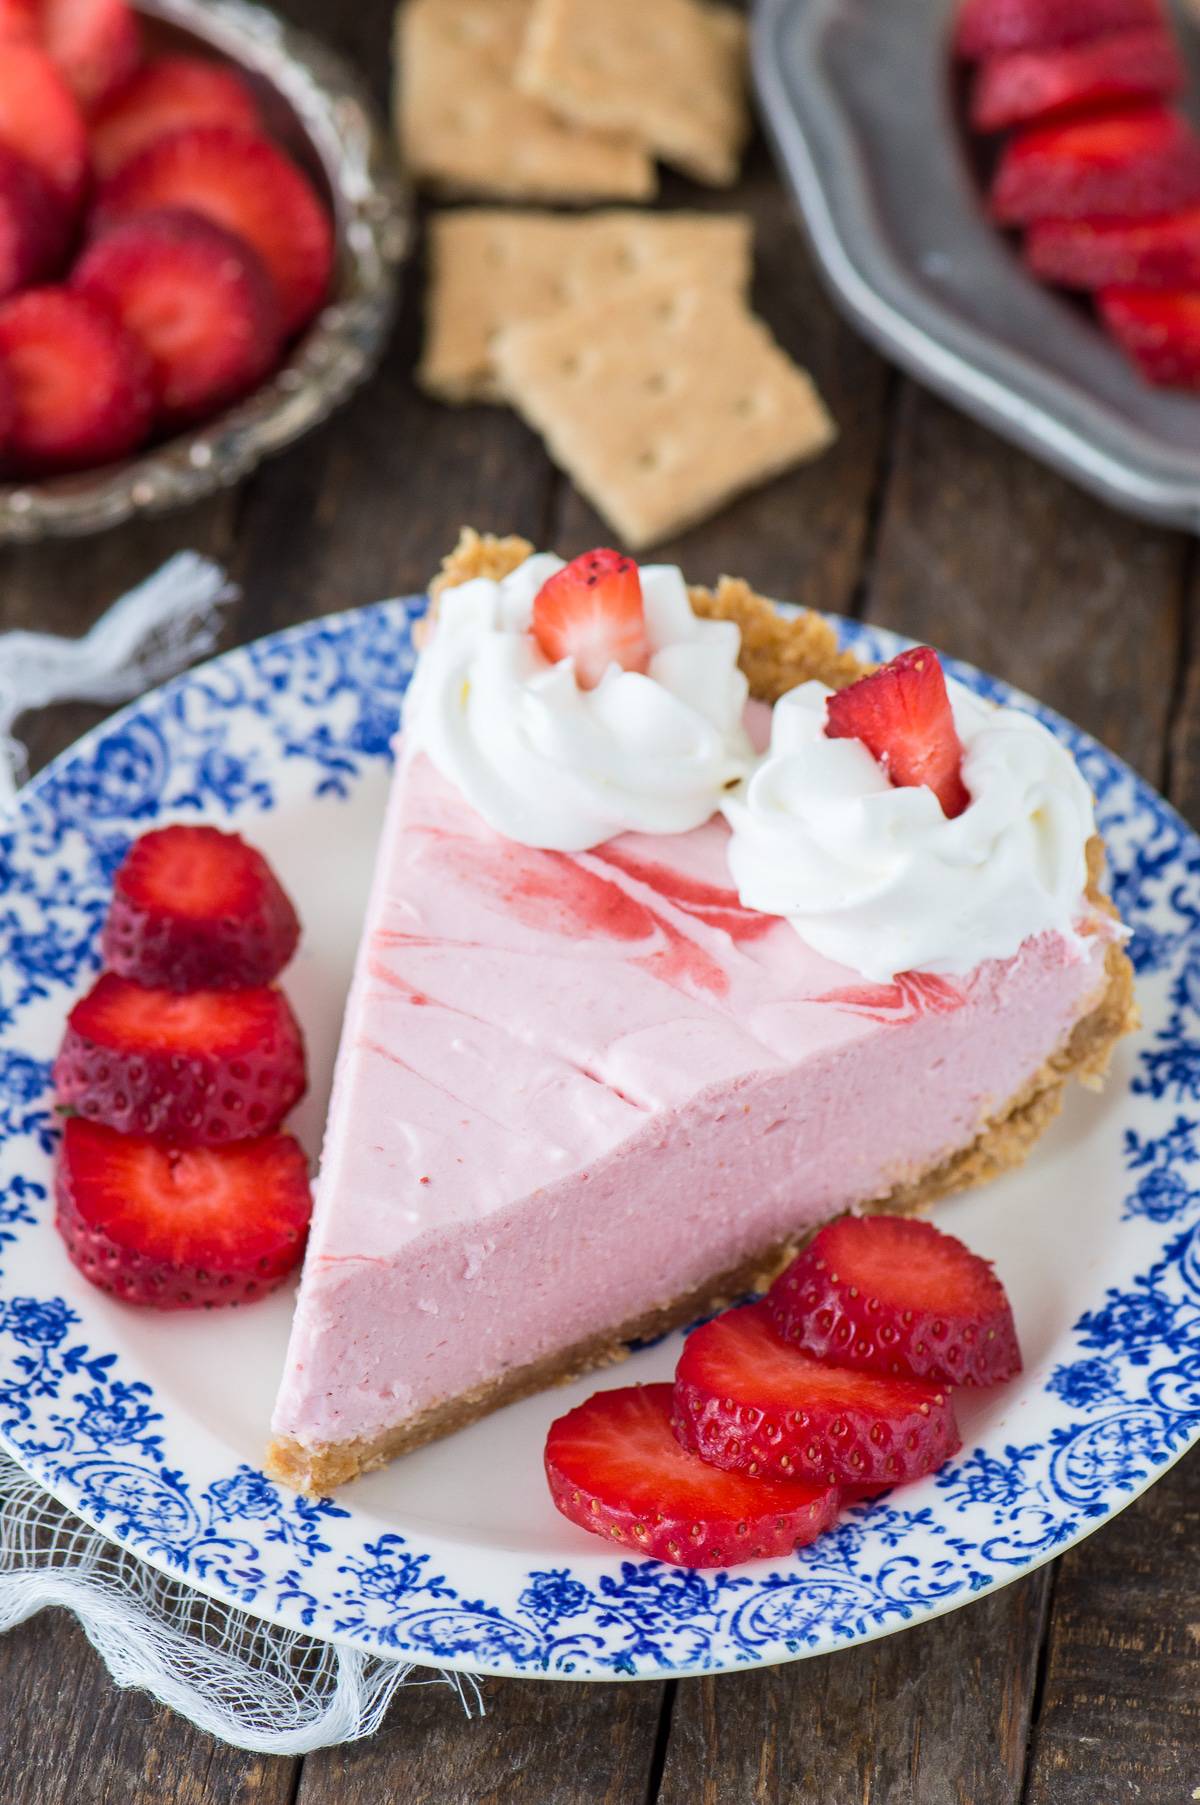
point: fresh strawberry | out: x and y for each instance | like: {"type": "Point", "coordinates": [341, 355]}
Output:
{"type": "Point", "coordinates": [992, 27]}
{"type": "Point", "coordinates": [196, 1069]}
{"type": "Point", "coordinates": [196, 298]}
{"type": "Point", "coordinates": [1159, 329]}
{"type": "Point", "coordinates": [591, 610]}
{"type": "Point", "coordinates": [1033, 85]}
{"type": "Point", "coordinates": [747, 1401]}
{"type": "Point", "coordinates": [197, 909]}
{"type": "Point", "coordinates": [81, 384]}
{"type": "Point", "coordinates": [97, 44]}
{"type": "Point", "coordinates": [1117, 253]}
{"type": "Point", "coordinates": [40, 119]}
{"type": "Point", "coordinates": [18, 19]}
{"type": "Point", "coordinates": [898, 1296]}
{"type": "Point", "coordinates": [902, 715]}
{"type": "Point", "coordinates": [171, 92]}
{"type": "Point", "coordinates": [32, 224]}
{"type": "Point", "coordinates": [181, 1228]}
{"type": "Point", "coordinates": [1131, 163]}
{"type": "Point", "coordinates": [248, 185]}
{"type": "Point", "coordinates": [616, 1469]}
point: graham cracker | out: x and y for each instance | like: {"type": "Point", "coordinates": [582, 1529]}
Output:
{"type": "Point", "coordinates": [671, 73]}
{"type": "Point", "coordinates": [465, 127]}
{"type": "Point", "coordinates": [662, 402]}
{"type": "Point", "coordinates": [490, 269]}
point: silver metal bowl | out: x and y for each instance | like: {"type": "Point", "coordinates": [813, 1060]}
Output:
{"type": "Point", "coordinates": [319, 109]}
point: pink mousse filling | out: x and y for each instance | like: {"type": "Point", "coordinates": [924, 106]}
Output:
{"type": "Point", "coordinates": [574, 1087]}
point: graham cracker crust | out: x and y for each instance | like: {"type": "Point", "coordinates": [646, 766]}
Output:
{"type": "Point", "coordinates": [777, 653]}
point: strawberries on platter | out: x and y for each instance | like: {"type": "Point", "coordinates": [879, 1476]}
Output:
{"type": "Point", "coordinates": [1029, 86]}
{"type": "Point", "coordinates": [197, 909]}
{"type": "Point", "coordinates": [1127, 164]}
{"type": "Point", "coordinates": [615, 1468]}
{"type": "Point", "coordinates": [81, 385]}
{"type": "Point", "coordinates": [31, 223]}
{"type": "Point", "coordinates": [1117, 253]}
{"type": "Point", "coordinates": [196, 1068]}
{"type": "Point", "coordinates": [1159, 329]}
{"type": "Point", "coordinates": [196, 298]}
{"type": "Point", "coordinates": [897, 1296]}
{"type": "Point", "coordinates": [169, 93]}
{"type": "Point", "coordinates": [40, 119]}
{"type": "Point", "coordinates": [902, 715]}
{"type": "Point", "coordinates": [591, 610]}
{"type": "Point", "coordinates": [991, 27]}
{"type": "Point", "coordinates": [97, 44]}
{"type": "Point", "coordinates": [178, 1228]}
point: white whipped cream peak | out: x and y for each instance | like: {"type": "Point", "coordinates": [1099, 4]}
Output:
{"type": "Point", "coordinates": [552, 765]}
{"type": "Point", "coordinates": [877, 878]}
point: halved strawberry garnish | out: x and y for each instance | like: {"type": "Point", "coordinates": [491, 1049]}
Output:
{"type": "Point", "coordinates": [197, 909]}
{"type": "Point", "coordinates": [197, 299]}
{"type": "Point", "coordinates": [1131, 164]}
{"type": "Point", "coordinates": [181, 1228]}
{"type": "Point", "coordinates": [81, 385]}
{"type": "Point", "coordinates": [747, 1401]}
{"type": "Point", "coordinates": [97, 44]}
{"type": "Point", "coordinates": [902, 715]}
{"type": "Point", "coordinates": [1159, 329]}
{"type": "Point", "coordinates": [1113, 253]}
{"type": "Point", "coordinates": [990, 27]}
{"type": "Point", "coordinates": [898, 1296]}
{"type": "Point", "coordinates": [248, 185]}
{"type": "Point", "coordinates": [616, 1469]}
{"type": "Point", "coordinates": [40, 119]}
{"type": "Point", "coordinates": [32, 223]}
{"type": "Point", "coordinates": [591, 610]}
{"type": "Point", "coordinates": [197, 1069]}
{"type": "Point", "coordinates": [1032, 85]}
{"type": "Point", "coordinates": [169, 93]}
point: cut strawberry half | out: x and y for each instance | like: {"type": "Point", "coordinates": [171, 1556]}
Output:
{"type": "Point", "coordinates": [615, 1468]}
{"type": "Point", "coordinates": [1131, 164]}
{"type": "Point", "coordinates": [171, 92]}
{"type": "Point", "coordinates": [40, 119]}
{"type": "Point", "coordinates": [1034, 85]}
{"type": "Point", "coordinates": [1158, 329]}
{"type": "Point", "coordinates": [902, 715]}
{"type": "Point", "coordinates": [747, 1401]}
{"type": "Point", "coordinates": [32, 224]}
{"type": "Point", "coordinates": [197, 1069]}
{"type": "Point", "coordinates": [898, 1296]}
{"type": "Point", "coordinates": [181, 1228]}
{"type": "Point", "coordinates": [196, 298]}
{"type": "Point", "coordinates": [991, 27]}
{"type": "Point", "coordinates": [194, 909]}
{"type": "Point", "coordinates": [81, 385]}
{"type": "Point", "coordinates": [245, 183]}
{"type": "Point", "coordinates": [97, 44]}
{"type": "Point", "coordinates": [591, 610]}
{"type": "Point", "coordinates": [1117, 253]}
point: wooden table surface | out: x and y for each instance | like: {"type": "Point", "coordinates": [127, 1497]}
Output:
{"type": "Point", "coordinates": [1078, 1685]}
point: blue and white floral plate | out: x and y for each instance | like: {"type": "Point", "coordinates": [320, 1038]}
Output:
{"type": "Point", "coordinates": [151, 1427]}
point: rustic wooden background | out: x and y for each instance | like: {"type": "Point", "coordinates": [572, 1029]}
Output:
{"type": "Point", "coordinates": [1079, 1685]}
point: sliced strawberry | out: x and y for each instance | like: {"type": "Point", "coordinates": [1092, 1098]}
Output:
{"type": "Point", "coordinates": [1159, 329]}
{"type": "Point", "coordinates": [1033, 85]}
{"type": "Point", "coordinates": [169, 93]}
{"type": "Point", "coordinates": [197, 909]}
{"type": "Point", "coordinates": [81, 384]}
{"type": "Point", "coordinates": [902, 715]}
{"type": "Point", "coordinates": [591, 610]}
{"type": "Point", "coordinates": [197, 1069]}
{"type": "Point", "coordinates": [196, 298]}
{"type": "Point", "coordinates": [248, 185]}
{"type": "Point", "coordinates": [32, 223]}
{"type": "Point", "coordinates": [991, 27]}
{"type": "Point", "coordinates": [1131, 163]}
{"type": "Point", "coordinates": [97, 44]}
{"type": "Point", "coordinates": [40, 119]}
{"type": "Point", "coordinates": [897, 1296]}
{"type": "Point", "coordinates": [1117, 253]}
{"type": "Point", "coordinates": [747, 1401]}
{"type": "Point", "coordinates": [181, 1228]}
{"type": "Point", "coordinates": [616, 1469]}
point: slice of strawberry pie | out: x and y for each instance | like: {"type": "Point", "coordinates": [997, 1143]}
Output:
{"type": "Point", "coordinates": [653, 975]}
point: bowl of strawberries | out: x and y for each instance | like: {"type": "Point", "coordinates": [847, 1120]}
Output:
{"type": "Point", "coordinates": [200, 230]}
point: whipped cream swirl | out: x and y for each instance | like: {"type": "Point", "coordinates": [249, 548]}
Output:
{"type": "Point", "coordinates": [556, 766]}
{"type": "Point", "coordinates": [876, 877]}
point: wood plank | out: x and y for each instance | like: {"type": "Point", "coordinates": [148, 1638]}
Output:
{"type": "Point", "coordinates": [541, 1743]}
